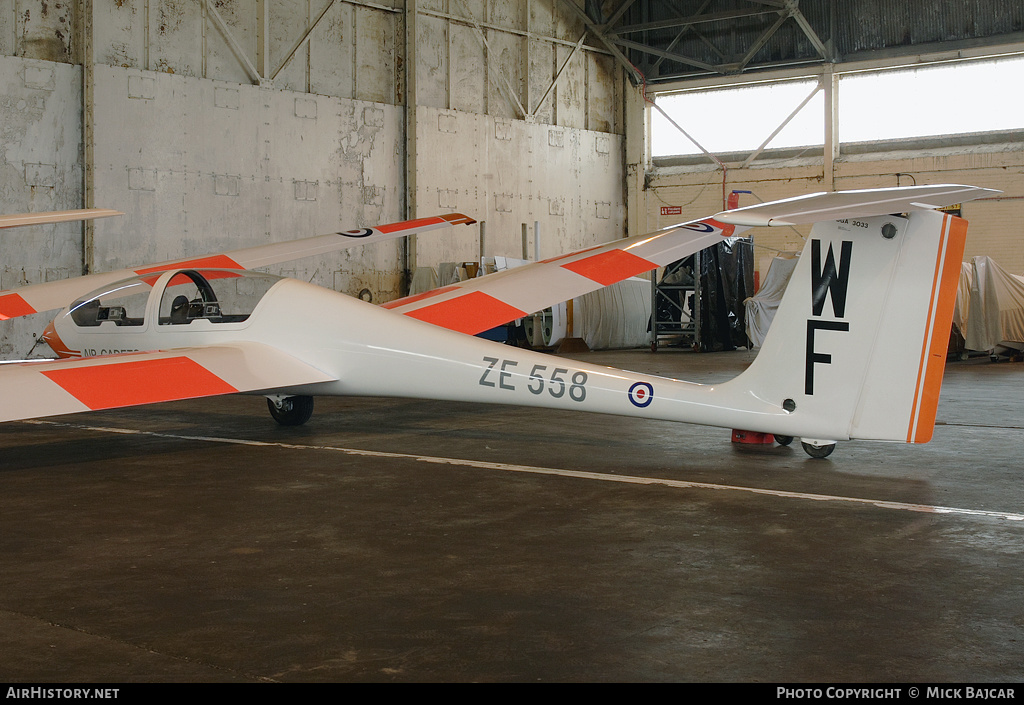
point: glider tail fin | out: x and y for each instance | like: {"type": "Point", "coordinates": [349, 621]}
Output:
{"type": "Point", "coordinates": [858, 345]}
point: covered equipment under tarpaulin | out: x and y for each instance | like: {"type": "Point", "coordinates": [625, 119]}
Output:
{"type": "Point", "coordinates": [761, 307]}
{"type": "Point", "coordinates": [989, 310]}
{"type": "Point", "coordinates": [990, 306]}
{"type": "Point", "coordinates": [614, 317]}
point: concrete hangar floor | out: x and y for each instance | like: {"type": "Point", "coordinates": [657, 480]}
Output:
{"type": "Point", "coordinates": [397, 540]}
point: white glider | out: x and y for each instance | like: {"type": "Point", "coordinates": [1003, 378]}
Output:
{"type": "Point", "coordinates": [856, 351]}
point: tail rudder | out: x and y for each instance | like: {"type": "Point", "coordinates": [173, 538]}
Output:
{"type": "Point", "coordinates": [858, 346]}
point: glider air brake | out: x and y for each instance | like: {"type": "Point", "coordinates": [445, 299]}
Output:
{"type": "Point", "coordinates": [856, 350]}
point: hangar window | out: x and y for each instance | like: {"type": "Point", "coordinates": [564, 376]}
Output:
{"type": "Point", "coordinates": [948, 99]}
{"type": "Point", "coordinates": [952, 98]}
{"type": "Point", "coordinates": [739, 119]}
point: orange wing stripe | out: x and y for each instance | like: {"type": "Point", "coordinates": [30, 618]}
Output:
{"type": "Point", "coordinates": [470, 314]}
{"type": "Point", "coordinates": [12, 306]}
{"type": "Point", "coordinates": [140, 382]}
{"type": "Point", "coordinates": [609, 267]}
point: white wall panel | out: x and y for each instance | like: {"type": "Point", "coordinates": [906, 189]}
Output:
{"type": "Point", "coordinates": [201, 157]}
{"type": "Point", "coordinates": [510, 172]}
{"type": "Point", "coordinates": [40, 170]}
{"type": "Point", "coordinates": [571, 95]}
{"type": "Point", "coordinates": [432, 62]}
{"type": "Point", "coordinates": [288, 22]}
{"type": "Point", "coordinates": [507, 13]}
{"type": "Point", "coordinates": [38, 30]}
{"type": "Point", "coordinates": [505, 73]}
{"type": "Point", "coordinates": [603, 89]}
{"type": "Point", "coordinates": [376, 46]}
{"type": "Point", "coordinates": [120, 33]}
{"type": "Point", "coordinates": [332, 53]}
{"type": "Point", "coordinates": [450, 152]}
{"type": "Point", "coordinates": [221, 61]}
{"type": "Point", "coordinates": [175, 34]}
{"type": "Point", "coordinates": [468, 70]}
{"type": "Point", "coordinates": [203, 166]}
{"type": "Point", "coordinates": [542, 71]}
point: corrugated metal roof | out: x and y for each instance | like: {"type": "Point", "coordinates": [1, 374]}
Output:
{"type": "Point", "coordinates": [678, 39]}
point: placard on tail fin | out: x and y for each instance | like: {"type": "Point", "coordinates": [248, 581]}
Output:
{"type": "Point", "coordinates": [857, 348]}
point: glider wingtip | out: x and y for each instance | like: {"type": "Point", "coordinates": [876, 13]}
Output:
{"type": "Point", "coordinates": [459, 219]}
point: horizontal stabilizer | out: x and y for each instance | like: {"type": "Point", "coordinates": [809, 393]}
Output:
{"type": "Point", "coordinates": [839, 205]}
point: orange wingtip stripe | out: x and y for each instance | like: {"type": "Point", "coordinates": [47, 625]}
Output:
{"type": "Point", "coordinates": [458, 219]}
{"type": "Point", "coordinates": [409, 224]}
{"type": "Point", "coordinates": [13, 305]}
{"type": "Point", "coordinates": [215, 261]}
{"type": "Point", "coordinates": [945, 298]}
{"type": "Point", "coordinates": [118, 384]}
{"type": "Point", "coordinates": [610, 267]}
{"type": "Point", "coordinates": [470, 314]}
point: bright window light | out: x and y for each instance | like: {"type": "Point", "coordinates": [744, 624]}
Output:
{"type": "Point", "coordinates": [738, 119]}
{"type": "Point", "coordinates": [948, 99]}
{"type": "Point", "coordinates": [951, 99]}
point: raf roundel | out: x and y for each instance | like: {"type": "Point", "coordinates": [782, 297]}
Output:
{"type": "Point", "coordinates": [641, 394]}
{"type": "Point", "coordinates": [361, 232]}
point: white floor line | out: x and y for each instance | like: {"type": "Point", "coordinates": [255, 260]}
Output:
{"type": "Point", "coordinates": [579, 474]}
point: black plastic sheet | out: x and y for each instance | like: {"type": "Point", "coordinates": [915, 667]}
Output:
{"type": "Point", "coordinates": [726, 279]}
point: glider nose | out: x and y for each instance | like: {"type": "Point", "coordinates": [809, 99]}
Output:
{"type": "Point", "coordinates": [56, 344]}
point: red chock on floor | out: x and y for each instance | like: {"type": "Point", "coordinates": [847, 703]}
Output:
{"type": "Point", "coordinates": [739, 436]}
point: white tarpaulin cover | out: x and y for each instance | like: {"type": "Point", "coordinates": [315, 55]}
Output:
{"type": "Point", "coordinates": [616, 316]}
{"type": "Point", "coordinates": [761, 306]}
{"type": "Point", "coordinates": [989, 306]}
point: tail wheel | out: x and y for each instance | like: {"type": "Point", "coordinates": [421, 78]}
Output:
{"type": "Point", "coordinates": [816, 451]}
{"type": "Point", "coordinates": [291, 411]}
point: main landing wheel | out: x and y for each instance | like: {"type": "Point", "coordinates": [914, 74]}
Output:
{"type": "Point", "coordinates": [291, 411]}
{"type": "Point", "coordinates": [783, 440]}
{"type": "Point", "coordinates": [816, 451]}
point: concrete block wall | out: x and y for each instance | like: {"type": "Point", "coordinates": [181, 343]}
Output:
{"type": "Point", "coordinates": [222, 165]}
{"type": "Point", "coordinates": [203, 126]}
{"type": "Point", "coordinates": [40, 170]}
{"type": "Point", "coordinates": [508, 172]}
